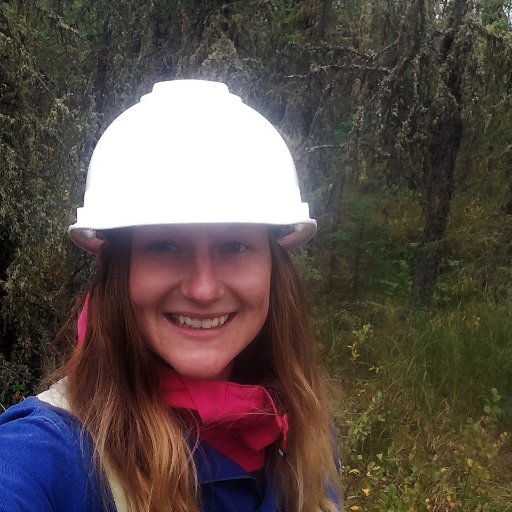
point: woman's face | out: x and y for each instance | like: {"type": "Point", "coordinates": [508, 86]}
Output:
{"type": "Point", "coordinates": [200, 292]}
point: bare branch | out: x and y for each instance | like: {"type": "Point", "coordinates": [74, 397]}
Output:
{"type": "Point", "coordinates": [324, 146]}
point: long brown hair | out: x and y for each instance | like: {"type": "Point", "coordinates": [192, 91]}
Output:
{"type": "Point", "coordinates": [113, 390]}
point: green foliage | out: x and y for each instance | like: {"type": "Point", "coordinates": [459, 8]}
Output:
{"type": "Point", "coordinates": [451, 472]}
{"type": "Point", "coordinates": [292, 14]}
{"type": "Point", "coordinates": [41, 144]}
{"type": "Point", "coordinates": [16, 383]}
{"type": "Point", "coordinates": [464, 353]}
{"type": "Point", "coordinates": [405, 414]}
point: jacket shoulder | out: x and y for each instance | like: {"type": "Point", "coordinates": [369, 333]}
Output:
{"type": "Point", "coordinates": [45, 464]}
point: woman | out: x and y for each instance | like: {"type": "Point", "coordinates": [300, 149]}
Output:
{"type": "Point", "coordinates": [194, 385]}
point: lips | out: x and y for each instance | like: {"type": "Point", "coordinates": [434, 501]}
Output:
{"type": "Point", "coordinates": [199, 323]}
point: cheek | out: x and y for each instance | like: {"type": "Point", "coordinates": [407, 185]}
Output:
{"type": "Point", "coordinates": [265, 292]}
{"type": "Point", "coordinates": [144, 298]}
{"type": "Point", "coordinates": [144, 285]}
{"type": "Point", "coordinates": [137, 289]}
{"type": "Point", "coordinates": [258, 289]}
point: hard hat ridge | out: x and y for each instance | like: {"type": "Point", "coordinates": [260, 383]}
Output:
{"type": "Point", "coordinates": [191, 152]}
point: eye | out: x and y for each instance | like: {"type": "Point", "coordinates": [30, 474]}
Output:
{"type": "Point", "coordinates": [163, 246]}
{"type": "Point", "coordinates": [234, 246]}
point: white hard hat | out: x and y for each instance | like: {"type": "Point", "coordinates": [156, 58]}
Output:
{"type": "Point", "coordinates": [191, 152]}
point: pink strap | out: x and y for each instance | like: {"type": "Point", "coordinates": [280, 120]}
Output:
{"type": "Point", "coordinates": [82, 320]}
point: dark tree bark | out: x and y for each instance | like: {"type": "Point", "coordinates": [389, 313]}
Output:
{"type": "Point", "coordinates": [445, 129]}
{"type": "Point", "coordinates": [102, 57]}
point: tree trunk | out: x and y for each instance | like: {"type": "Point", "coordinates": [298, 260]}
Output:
{"type": "Point", "coordinates": [446, 133]}
{"type": "Point", "coordinates": [100, 85]}
{"type": "Point", "coordinates": [446, 129]}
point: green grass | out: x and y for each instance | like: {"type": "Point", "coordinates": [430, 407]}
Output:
{"type": "Point", "coordinates": [422, 402]}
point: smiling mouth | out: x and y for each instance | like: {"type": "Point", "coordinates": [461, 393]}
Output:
{"type": "Point", "coordinates": [199, 323]}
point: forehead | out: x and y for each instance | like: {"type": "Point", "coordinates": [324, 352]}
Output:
{"type": "Point", "coordinates": [205, 231]}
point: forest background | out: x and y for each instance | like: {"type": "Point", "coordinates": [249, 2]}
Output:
{"type": "Point", "coordinates": [399, 117]}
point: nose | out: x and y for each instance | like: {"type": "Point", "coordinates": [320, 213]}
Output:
{"type": "Point", "coordinates": [202, 282]}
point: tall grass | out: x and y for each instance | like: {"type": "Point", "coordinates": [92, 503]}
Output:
{"type": "Point", "coordinates": [422, 401]}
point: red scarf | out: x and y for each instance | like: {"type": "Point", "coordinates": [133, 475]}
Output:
{"type": "Point", "coordinates": [240, 421]}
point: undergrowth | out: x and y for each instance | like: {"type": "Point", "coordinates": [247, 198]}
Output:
{"type": "Point", "coordinates": [423, 406]}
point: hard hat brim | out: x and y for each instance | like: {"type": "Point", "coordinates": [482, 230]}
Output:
{"type": "Point", "coordinates": [91, 239]}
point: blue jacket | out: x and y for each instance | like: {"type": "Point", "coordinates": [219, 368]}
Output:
{"type": "Point", "coordinates": [46, 467]}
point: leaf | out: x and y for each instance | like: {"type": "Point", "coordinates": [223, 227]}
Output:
{"type": "Point", "coordinates": [392, 490]}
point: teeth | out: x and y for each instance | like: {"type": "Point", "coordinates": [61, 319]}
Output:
{"type": "Point", "coordinates": [200, 323]}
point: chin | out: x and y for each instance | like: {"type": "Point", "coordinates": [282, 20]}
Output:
{"type": "Point", "coordinates": [206, 374]}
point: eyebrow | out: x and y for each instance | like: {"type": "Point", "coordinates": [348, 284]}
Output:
{"type": "Point", "coordinates": [180, 230]}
